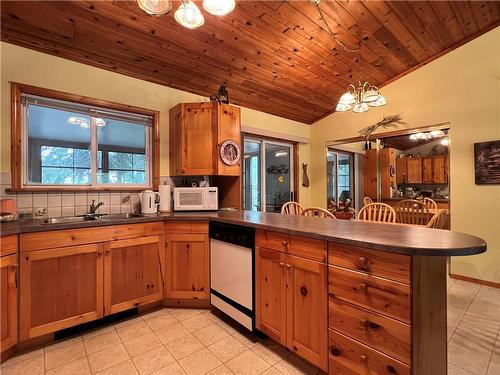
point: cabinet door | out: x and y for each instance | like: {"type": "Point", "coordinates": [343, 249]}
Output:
{"type": "Point", "coordinates": [427, 170]}
{"type": "Point", "coordinates": [401, 170]}
{"type": "Point", "coordinates": [60, 288]}
{"type": "Point", "coordinates": [270, 293]}
{"type": "Point", "coordinates": [440, 169]}
{"type": "Point", "coordinates": [133, 273]}
{"type": "Point", "coordinates": [414, 170]}
{"type": "Point", "coordinates": [187, 266]}
{"type": "Point", "coordinates": [370, 173]}
{"type": "Point", "coordinates": [307, 319]}
{"type": "Point", "coordinates": [197, 139]}
{"type": "Point", "coordinates": [8, 286]}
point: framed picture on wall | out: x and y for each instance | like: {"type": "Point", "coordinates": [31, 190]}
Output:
{"type": "Point", "coordinates": [487, 162]}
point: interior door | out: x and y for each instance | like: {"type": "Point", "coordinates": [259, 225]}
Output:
{"type": "Point", "coordinates": [133, 273]}
{"type": "Point", "coordinates": [307, 319]}
{"type": "Point", "coordinates": [60, 288]}
{"type": "Point", "coordinates": [8, 286]}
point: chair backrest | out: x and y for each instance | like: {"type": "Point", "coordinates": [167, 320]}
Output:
{"type": "Point", "coordinates": [411, 211]}
{"type": "Point", "coordinates": [292, 208]}
{"type": "Point", "coordinates": [367, 200]}
{"type": "Point", "coordinates": [318, 212]}
{"type": "Point", "coordinates": [438, 221]}
{"type": "Point", "coordinates": [379, 212]}
{"type": "Point", "coordinates": [430, 204]}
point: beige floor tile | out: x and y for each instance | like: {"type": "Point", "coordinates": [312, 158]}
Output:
{"type": "Point", "coordinates": [154, 313]}
{"type": "Point", "coordinates": [213, 315]}
{"type": "Point", "coordinates": [98, 332]}
{"type": "Point", "coordinates": [246, 338]}
{"type": "Point", "coordinates": [98, 343]}
{"type": "Point", "coordinates": [221, 370]}
{"type": "Point", "coordinates": [199, 363]}
{"type": "Point", "coordinates": [211, 334]}
{"type": "Point", "coordinates": [129, 321]}
{"type": "Point", "coordinates": [229, 327]}
{"type": "Point", "coordinates": [247, 363]}
{"type": "Point", "coordinates": [227, 348]}
{"type": "Point", "coordinates": [171, 369]}
{"type": "Point", "coordinates": [270, 351]}
{"type": "Point", "coordinates": [196, 322]}
{"type": "Point", "coordinates": [184, 346]}
{"type": "Point", "coordinates": [461, 294]}
{"type": "Point", "coordinates": [160, 321]}
{"type": "Point", "coordinates": [31, 366]}
{"type": "Point", "coordinates": [62, 343]}
{"type": "Point", "coordinates": [455, 370]}
{"type": "Point", "coordinates": [78, 367]}
{"type": "Point", "coordinates": [272, 371]}
{"type": "Point", "coordinates": [108, 358]}
{"type": "Point", "coordinates": [183, 314]}
{"type": "Point", "coordinates": [293, 365]}
{"type": "Point", "coordinates": [131, 331]}
{"type": "Point", "coordinates": [494, 366]}
{"type": "Point", "coordinates": [172, 332]}
{"type": "Point", "coordinates": [124, 368]}
{"type": "Point", "coordinates": [23, 357]}
{"type": "Point", "coordinates": [153, 360]}
{"type": "Point", "coordinates": [142, 344]}
{"type": "Point", "coordinates": [63, 353]}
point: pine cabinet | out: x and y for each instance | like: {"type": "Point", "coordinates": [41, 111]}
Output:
{"type": "Point", "coordinates": [187, 260]}
{"type": "Point", "coordinates": [401, 175]}
{"type": "Point", "coordinates": [414, 170]}
{"type": "Point", "coordinates": [440, 169]}
{"type": "Point", "coordinates": [427, 174]}
{"type": "Point", "coordinates": [291, 302]}
{"type": "Point", "coordinates": [133, 273]}
{"type": "Point", "coordinates": [8, 286]}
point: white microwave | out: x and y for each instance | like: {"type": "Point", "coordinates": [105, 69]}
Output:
{"type": "Point", "coordinates": [196, 199]}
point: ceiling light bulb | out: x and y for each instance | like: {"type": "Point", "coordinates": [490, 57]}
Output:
{"type": "Point", "coordinates": [155, 7]}
{"type": "Point", "coordinates": [219, 7]}
{"type": "Point", "coordinates": [445, 142]}
{"type": "Point", "coordinates": [343, 107]}
{"type": "Point", "coordinates": [189, 16]}
{"type": "Point", "coordinates": [347, 99]}
{"type": "Point", "coordinates": [360, 107]}
{"type": "Point", "coordinates": [437, 133]}
{"type": "Point", "coordinates": [379, 102]}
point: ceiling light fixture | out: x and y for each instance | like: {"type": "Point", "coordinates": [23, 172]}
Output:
{"type": "Point", "coordinates": [155, 8]}
{"type": "Point", "coordinates": [189, 16]}
{"type": "Point", "coordinates": [358, 97]}
{"type": "Point", "coordinates": [428, 136]}
{"type": "Point", "coordinates": [219, 7]}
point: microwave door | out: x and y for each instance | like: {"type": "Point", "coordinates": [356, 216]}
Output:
{"type": "Point", "coordinates": [190, 200]}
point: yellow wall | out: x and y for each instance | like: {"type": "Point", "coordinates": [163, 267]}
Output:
{"type": "Point", "coordinates": [43, 70]}
{"type": "Point", "coordinates": [463, 88]}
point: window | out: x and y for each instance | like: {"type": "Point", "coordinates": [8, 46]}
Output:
{"type": "Point", "coordinates": [76, 144]}
{"type": "Point", "coordinates": [339, 167]}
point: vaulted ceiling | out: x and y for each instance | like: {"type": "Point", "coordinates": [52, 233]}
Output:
{"type": "Point", "coordinates": [273, 56]}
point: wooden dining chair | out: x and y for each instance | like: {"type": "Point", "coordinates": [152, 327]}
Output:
{"type": "Point", "coordinates": [430, 204]}
{"type": "Point", "coordinates": [367, 200]}
{"type": "Point", "coordinates": [378, 212]}
{"type": "Point", "coordinates": [438, 221]}
{"type": "Point", "coordinates": [292, 208]}
{"type": "Point", "coordinates": [318, 212]}
{"type": "Point", "coordinates": [411, 211]}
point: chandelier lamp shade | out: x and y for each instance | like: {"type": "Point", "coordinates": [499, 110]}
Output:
{"type": "Point", "coordinates": [188, 14]}
{"type": "Point", "coordinates": [360, 98]}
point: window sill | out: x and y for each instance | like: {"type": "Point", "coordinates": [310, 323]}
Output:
{"type": "Point", "coordinates": [76, 189]}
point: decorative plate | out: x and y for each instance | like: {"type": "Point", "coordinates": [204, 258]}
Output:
{"type": "Point", "coordinates": [230, 152]}
{"type": "Point", "coordinates": [392, 170]}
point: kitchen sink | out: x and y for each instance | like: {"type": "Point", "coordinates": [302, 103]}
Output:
{"type": "Point", "coordinates": [69, 219]}
{"type": "Point", "coordinates": [120, 216]}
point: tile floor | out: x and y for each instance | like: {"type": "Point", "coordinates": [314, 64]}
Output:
{"type": "Point", "coordinates": [192, 342]}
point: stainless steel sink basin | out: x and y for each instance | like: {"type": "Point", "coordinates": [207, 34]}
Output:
{"type": "Point", "coordinates": [120, 216]}
{"type": "Point", "coordinates": [69, 219]}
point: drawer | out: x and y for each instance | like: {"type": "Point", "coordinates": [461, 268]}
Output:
{"type": "Point", "coordinates": [186, 227]}
{"type": "Point", "coordinates": [71, 237]}
{"type": "Point", "coordinates": [349, 357]}
{"type": "Point", "coordinates": [308, 248]}
{"type": "Point", "coordinates": [391, 266]}
{"type": "Point", "coordinates": [272, 240]}
{"type": "Point", "coordinates": [374, 293]}
{"type": "Point", "coordinates": [387, 335]}
{"type": "Point", "coordinates": [8, 245]}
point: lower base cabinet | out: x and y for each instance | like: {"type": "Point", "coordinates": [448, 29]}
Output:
{"type": "Point", "coordinates": [8, 293]}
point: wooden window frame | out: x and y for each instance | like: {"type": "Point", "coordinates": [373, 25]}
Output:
{"type": "Point", "coordinates": [17, 89]}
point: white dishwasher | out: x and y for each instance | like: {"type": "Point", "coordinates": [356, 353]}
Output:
{"type": "Point", "coordinates": [232, 260]}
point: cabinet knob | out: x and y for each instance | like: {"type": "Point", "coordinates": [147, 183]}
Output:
{"type": "Point", "coordinates": [363, 358]}
{"type": "Point", "coordinates": [335, 351]}
{"type": "Point", "coordinates": [288, 266]}
{"type": "Point", "coordinates": [284, 243]}
{"type": "Point", "coordinates": [108, 251]}
{"type": "Point", "coordinates": [282, 264]}
{"type": "Point", "coordinates": [99, 254]}
{"type": "Point", "coordinates": [391, 370]}
{"type": "Point", "coordinates": [303, 291]}
{"type": "Point", "coordinates": [362, 264]}
{"type": "Point", "coordinates": [363, 287]}
{"type": "Point", "coordinates": [166, 243]}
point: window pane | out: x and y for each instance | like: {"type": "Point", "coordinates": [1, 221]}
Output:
{"type": "Point", "coordinates": [251, 175]}
{"type": "Point", "coordinates": [120, 160]}
{"type": "Point", "coordinates": [139, 162]}
{"type": "Point", "coordinates": [278, 175]}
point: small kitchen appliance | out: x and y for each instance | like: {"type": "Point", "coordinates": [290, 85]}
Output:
{"type": "Point", "coordinates": [148, 201]}
{"type": "Point", "coordinates": [165, 198]}
{"type": "Point", "coordinates": [196, 199]}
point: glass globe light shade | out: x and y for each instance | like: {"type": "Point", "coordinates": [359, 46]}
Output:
{"type": "Point", "coordinates": [343, 107]}
{"type": "Point", "coordinates": [360, 107]}
{"type": "Point", "coordinates": [371, 95]}
{"type": "Point", "coordinates": [379, 102]}
{"type": "Point", "coordinates": [189, 16]}
{"type": "Point", "coordinates": [219, 7]}
{"type": "Point", "coordinates": [445, 142]}
{"type": "Point", "coordinates": [436, 133]}
{"type": "Point", "coordinates": [155, 7]}
{"type": "Point", "coordinates": [347, 99]}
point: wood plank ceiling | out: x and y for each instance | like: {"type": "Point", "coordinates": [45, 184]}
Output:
{"type": "Point", "coordinates": [273, 56]}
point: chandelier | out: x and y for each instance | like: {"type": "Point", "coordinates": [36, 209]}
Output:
{"type": "Point", "coordinates": [188, 14]}
{"type": "Point", "coordinates": [358, 97]}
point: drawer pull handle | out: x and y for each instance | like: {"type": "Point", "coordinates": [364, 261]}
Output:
{"type": "Point", "coordinates": [282, 264]}
{"type": "Point", "coordinates": [288, 266]}
{"type": "Point", "coordinates": [363, 287]}
{"type": "Point", "coordinates": [363, 358]}
{"type": "Point", "coordinates": [362, 264]}
{"type": "Point", "coordinates": [284, 243]}
{"type": "Point", "coordinates": [369, 325]}
{"type": "Point", "coordinates": [335, 351]}
{"type": "Point", "coordinates": [99, 253]}
{"type": "Point", "coordinates": [391, 370]}
{"type": "Point", "coordinates": [303, 291]}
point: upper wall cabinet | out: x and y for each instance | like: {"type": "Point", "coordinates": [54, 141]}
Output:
{"type": "Point", "coordinates": [205, 139]}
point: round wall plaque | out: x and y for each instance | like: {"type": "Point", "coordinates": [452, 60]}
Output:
{"type": "Point", "coordinates": [230, 152]}
{"type": "Point", "coordinates": [392, 170]}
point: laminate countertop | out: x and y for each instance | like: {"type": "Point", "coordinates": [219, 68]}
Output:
{"type": "Point", "coordinates": [395, 238]}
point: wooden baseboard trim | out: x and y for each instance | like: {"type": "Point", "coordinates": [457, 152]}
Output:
{"type": "Point", "coordinates": [474, 280]}
{"type": "Point", "coordinates": [188, 303]}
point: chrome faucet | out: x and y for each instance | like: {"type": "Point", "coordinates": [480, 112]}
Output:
{"type": "Point", "coordinates": [93, 207]}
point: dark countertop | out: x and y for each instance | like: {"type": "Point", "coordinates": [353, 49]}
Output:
{"type": "Point", "coordinates": [396, 238]}
{"type": "Point", "coordinates": [437, 200]}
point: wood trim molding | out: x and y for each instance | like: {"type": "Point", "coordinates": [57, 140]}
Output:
{"type": "Point", "coordinates": [474, 280]}
{"type": "Point", "coordinates": [274, 135]}
{"type": "Point", "coordinates": [16, 147]}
